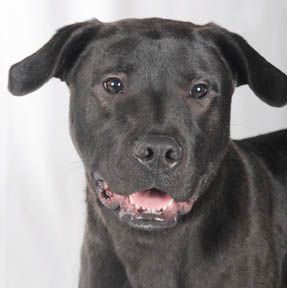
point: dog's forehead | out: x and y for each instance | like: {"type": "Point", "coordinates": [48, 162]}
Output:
{"type": "Point", "coordinates": [155, 27]}
{"type": "Point", "coordinates": [146, 35]}
{"type": "Point", "coordinates": [147, 42]}
{"type": "Point", "coordinates": [126, 46]}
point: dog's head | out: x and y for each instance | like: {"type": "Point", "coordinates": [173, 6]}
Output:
{"type": "Point", "coordinates": [150, 107]}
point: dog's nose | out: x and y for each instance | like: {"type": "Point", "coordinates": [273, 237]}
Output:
{"type": "Point", "coordinates": [158, 152]}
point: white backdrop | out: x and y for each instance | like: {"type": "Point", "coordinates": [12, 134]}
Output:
{"type": "Point", "coordinates": [42, 181]}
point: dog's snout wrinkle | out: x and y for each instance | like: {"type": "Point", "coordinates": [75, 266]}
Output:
{"type": "Point", "coordinates": [158, 152]}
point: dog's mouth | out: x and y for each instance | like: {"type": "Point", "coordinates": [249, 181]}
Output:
{"type": "Point", "coordinates": [149, 209]}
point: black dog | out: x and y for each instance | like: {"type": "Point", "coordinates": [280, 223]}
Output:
{"type": "Point", "coordinates": [172, 201]}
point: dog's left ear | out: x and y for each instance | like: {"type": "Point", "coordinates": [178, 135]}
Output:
{"type": "Point", "coordinates": [249, 67]}
{"type": "Point", "coordinates": [54, 59]}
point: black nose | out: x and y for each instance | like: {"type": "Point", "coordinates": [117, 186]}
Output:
{"type": "Point", "coordinates": [158, 152]}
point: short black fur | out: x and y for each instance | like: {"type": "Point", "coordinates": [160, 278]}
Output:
{"type": "Point", "coordinates": [236, 233]}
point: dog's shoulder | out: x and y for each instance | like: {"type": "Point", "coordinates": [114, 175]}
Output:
{"type": "Point", "coordinates": [276, 142]}
{"type": "Point", "coordinates": [271, 148]}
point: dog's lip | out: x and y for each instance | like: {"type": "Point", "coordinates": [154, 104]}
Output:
{"type": "Point", "coordinates": [144, 209]}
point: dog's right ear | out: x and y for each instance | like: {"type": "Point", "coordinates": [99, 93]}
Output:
{"type": "Point", "coordinates": [54, 59]}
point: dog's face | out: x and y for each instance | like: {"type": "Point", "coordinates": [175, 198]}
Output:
{"type": "Point", "coordinates": [150, 108]}
{"type": "Point", "coordinates": [153, 116]}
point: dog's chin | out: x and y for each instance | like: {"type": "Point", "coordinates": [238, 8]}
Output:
{"type": "Point", "coordinates": [150, 209]}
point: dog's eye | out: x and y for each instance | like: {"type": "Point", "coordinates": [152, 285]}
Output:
{"type": "Point", "coordinates": [198, 90]}
{"type": "Point", "coordinates": [113, 85]}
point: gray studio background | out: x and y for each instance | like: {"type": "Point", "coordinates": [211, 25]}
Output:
{"type": "Point", "coordinates": [42, 181]}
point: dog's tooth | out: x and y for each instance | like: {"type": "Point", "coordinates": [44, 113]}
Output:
{"type": "Point", "coordinates": [134, 206]}
{"type": "Point", "coordinates": [159, 219]}
{"type": "Point", "coordinates": [149, 210]}
{"type": "Point", "coordinates": [169, 203]}
{"type": "Point", "coordinates": [131, 200]}
{"type": "Point", "coordinates": [109, 193]}
{"type": "Point", "coordinates": [145, 210]}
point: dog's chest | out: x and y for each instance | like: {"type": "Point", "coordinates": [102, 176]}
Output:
{"type": "Point", "coordinates": [157, 265]}
{"type": "Point", "coordinates": [151, 270]}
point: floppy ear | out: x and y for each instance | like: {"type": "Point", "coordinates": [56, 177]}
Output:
{"type": "Point", "coordinates": [249, 67]}
{"type": "Point", "coordinates": [54, 59]}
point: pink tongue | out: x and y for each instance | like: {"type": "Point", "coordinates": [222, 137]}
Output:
{"type": "Point", "coordinates": [150, 200]}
